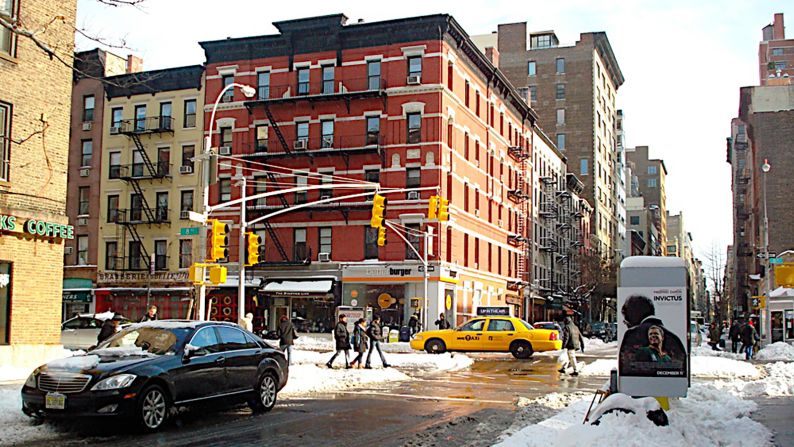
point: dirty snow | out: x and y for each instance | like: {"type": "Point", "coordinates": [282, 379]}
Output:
{"type": "Point", "coordinates": [325, 342]}
{"type": "Point", "coordinates": [715, 367]}
{"type": "Point", "coordinates": [15, 427]}
{"type": "Point", "coordinates": [310, 378]}
{"type": "Point", "coordinates": [776, 351]}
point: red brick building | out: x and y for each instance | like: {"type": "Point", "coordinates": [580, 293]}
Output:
{"type": "Point", "coordinates": [403, 103]}
{"type": "Point", "coordinates": [775, 54]}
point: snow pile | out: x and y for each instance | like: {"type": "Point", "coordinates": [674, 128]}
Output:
{"type": "Point", "coordinates": [309, 378]}
{"type": "Point", "coordinates": [16, 426]}
{"type": "Point", "coordinates": [76, 362]}
{"type": "Point", "coordinates": [701, 367]}
{"type": "Point", "coordinates": [600, 367]}
{"type": "Point", "coordinates": [325, 342]}
{"type": "Point", "coordinates": [708, 416]}
{"type": "Point", "coordinates": [427, 362]}
{"type": "Point", "coordinates": [592, 346]}
{"type": "Point", "coordinates": [776, 351]}
{"type": "Point", "coordinates": [619, 400]}
{"type": "Point", "coordinates": [706, 351]}
{"type": "Point", "coordinates": [779, 381]}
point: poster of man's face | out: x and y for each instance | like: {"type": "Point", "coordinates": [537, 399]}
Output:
{"type": "Point", "coordinates": [648, 348]}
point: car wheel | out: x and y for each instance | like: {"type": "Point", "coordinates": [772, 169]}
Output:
{"type": "Point", "coordinates": [266, 393]}
{"type": "Point", "coordinates": [521, 349]}
{"type": "Point", "coordinates": [435, 346]}
{"type": "Point", "coordinates": [153, 408]}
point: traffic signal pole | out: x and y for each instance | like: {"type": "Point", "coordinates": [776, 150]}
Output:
{"type": "Point", "coordinates": [241, 256]}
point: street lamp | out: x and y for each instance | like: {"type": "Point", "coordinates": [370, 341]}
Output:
{"type": "Point", "coordinates": [765, 168]}
{"type": "Point", "coordinates": [248, 92]}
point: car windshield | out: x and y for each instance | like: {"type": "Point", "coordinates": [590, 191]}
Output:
{"type": "Point", "coordinates": [144, 340]}
{"type": "Point", "coordinates": [527, 325]}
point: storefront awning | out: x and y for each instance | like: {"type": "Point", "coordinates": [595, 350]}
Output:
{"type": "Point", "coordinates": [315, 287]}
{"type": "Point", "coordinates": [782, 292]}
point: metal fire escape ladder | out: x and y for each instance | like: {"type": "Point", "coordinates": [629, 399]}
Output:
{"type": "Point", "coordinates": [272, 178]}
{"type": "Point", "coordinates": [137, 238]}
{"type": "Point", "coordinates": [275, 127]}
{"type": "Point", "coordinates": [136, 186]}
{"type": "Point", "coordinates": [136, 138]}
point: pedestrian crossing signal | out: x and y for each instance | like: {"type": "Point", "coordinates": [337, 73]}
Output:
{"type": "Point", "coordinates": [219, 240]}
{"type": "Point", "coordinates": [443, 209]}
{"type": "Point", "coordinates": [253, 248]}
{"type": "Point", "coordinates": [217, 274]}
{"type": "Point", "coordinates": [381, 236]}
{"type": "Point", "coordinates": [432, 207]}
{"type": "Point", "coordinates": [378, 211]}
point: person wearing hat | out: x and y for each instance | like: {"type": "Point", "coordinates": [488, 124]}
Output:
{"type": "Point", "coordinates": [572, 341]}
{"type": "Point", "coordinates": [360, 340]}
{"type": "Point", "coordinates": [342, 338]}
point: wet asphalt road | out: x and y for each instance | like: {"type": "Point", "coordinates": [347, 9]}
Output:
{"type": "Point", "coordinates": [468, 407]}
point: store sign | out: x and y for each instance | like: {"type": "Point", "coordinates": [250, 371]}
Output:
{"type": "Point", "coordinates": [77, 297]}
{"type": "Point", "coordinates": [502, 311]}
{"type": "Point", "coordinates": [33, 227]}
{"type": "Point", "coordinates": [140, 277]}
{"type": "Point", "coordinates": [386, 271]}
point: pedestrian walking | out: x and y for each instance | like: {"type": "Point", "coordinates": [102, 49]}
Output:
{"type": "Point", "coordinates": [735, 334]}
{"type": "Point", "coordinates": [360, 339]}
{"type": "Point", "coordinates": [442, 322]}
{"type": "Point", "coordinates": [109, 327]}
{"type": "Point", "coordinates": [342, 339]}
{"type": "Point", "coordinates": [248, 322]}
{"type": "Point", "coordinates": [286, 337]}
{"type": "Point", "coordinates": [749, 339]}
{"type": "Point", "coordinates": [150, 315]}
{"type": "Point", "coordinates": [413, 322]}
{"type": "Point", "coordinates": [714, 336]}
{"type": "Point", "coordinates": [375, 333]}
{"type": "Point", "coordinates": [572, 341]}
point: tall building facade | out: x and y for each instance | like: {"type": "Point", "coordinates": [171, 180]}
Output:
{"type": "Point", "coordinates": [775, 54]}
{"type": "Point", "coordinates": [643, 227]}
{"type": "Point", "coordinates": [404, 103]}
{"type": "Point", "coordinates": [651, 178]}
{"type": "Point", "coordinates": [573, 89]}
{"type": "Point", "coordinates": [35, 93]}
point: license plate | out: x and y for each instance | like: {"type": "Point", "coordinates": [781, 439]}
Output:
{"type": "Point", "coordinates": [55, 401]}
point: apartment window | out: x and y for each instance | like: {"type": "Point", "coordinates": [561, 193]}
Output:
{"type": "Point", "coordinates": [228, 95]}
{"type": "Point", "coordinates": [163, 161]}
{"type": "Point", "coordinates": [560, 64]}
{"type": "Point", "coordinates": [8, 11]}
{"type": "Point", "coordinates": [113, 208]}
{"type": "Point", "coordinates": [260, 186]}
{"type": "Point", "coordinates": [560, 91]}
{"type": "Point", "coordinates": [414, 127]}
{"type": "Point", "coordinates": [465, 249]}
{"type": "Point", "coordinates": [781, 65]}
{"type": "Point", "coordinates": [261, 138]}
{"type": "Point", "coordinates": [651, 183]}
{"type": "Point", "coordinates": [412, 235]}
{"type": "Point", "coordinates": [188, 152]}
{"type": "Point", "coordinates": [325, 179]}
{"type": "Point", "coordinates": [541, 41]}
{"type": "Point", "coordinates": [466, 94]}
{"type": "Point", "coordinates": [165, 116]}
{"type": "Point", "coordinates": [185, 253]}
{"type": "Point", "coordinates": [82, 250]}
{"type": "Point", "coordinates": [533, 93]}
{"type": "Point", "coordinates": [327, 127]}
{"type": "Point", "coordinates": [450, 75]}
{"type": "Point", "coordinates": [328, 79]}
{"type": "Point", "coordinates": [560, 117]}
{"type": "Point", "coordinates": [111, 253]}
{"type": "Point", "coordinates": [135, 260]}
{"type": "Point", "coordinates": [88, 107]}
{"type": "Point", "coordinates": [189, 118]}
{"type": "Point", "coordinates": [302, 132]}
{"type": "Point", "coordinates": [116, 116]}
{"type": "Point", "coordinates": [466, 197]}
{"type": "Point", "coordinates": [373, 130]}
{"type": "Point", "coordinates": [324, 236]}
{"type": "Point", "coordinates": [186, 200]}
{"type": "Point", "coordinates": [413, 177]}
{"type": "Point", "coordinates": [300, 181]}
{"type": "Point", "coordinates": [161, 255]}
{"type": "Point", "coordinates": [531, 68]}
{"type": "Point", "coordinates": [299, 252]}
{"type": "Point", "coordinates": [651, 169]}
{"type": "Point", "coordinates": [502, 124]}
{"type": "Point", "coordinates": [137, 164]}
{"type": "Point", "coordinates": [136, 207]}
{"type": "Point", "coordinates": [415, 66]}
{"type": "Point", "coordinates": [561, 141]}
{"type": "Point", "coordinates": [634, 220]}
{"type": "Point", "coordinates": [303, 81]}
{"type": "Point", "coordinates": [370, 243]}
{"type": "Point", "coordinates": [263, 85]}
{"type": "Point", "coordinates": [373, 75]}
{"type": "Point", "coordinates": [466, 145]}
{"type": "Point", "coordinates": [83, 192]}
{"type": "Point", "coordinates": [225, 185]}
{"type": "Point", "coordinates": [226, 136]}
{"type": "Point", "coordinates": [583, 167]}
{"type": "Point", "coordinates": [777, 51]}
{"type": "Point", "coordinates": [140, 117]}
{"type": "Point", "coordinates": [114, 168]}
{"type": "Point", "coordinates": [477, 103]}
{"type": "Point", "coordinates": [162, 207]}
{"type": "Point", "coordinates": [86, 153]}
{"type": "Point", "coordinates": [476, 252]}
{"type": "Point", "coordinates": [372, 176]}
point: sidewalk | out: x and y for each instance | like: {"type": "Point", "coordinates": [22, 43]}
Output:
{"type": "Point", "coordinates": [777, 414]}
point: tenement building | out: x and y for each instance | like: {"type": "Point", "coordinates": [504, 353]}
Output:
{"type": "Point", "coordinates": [651, 176]}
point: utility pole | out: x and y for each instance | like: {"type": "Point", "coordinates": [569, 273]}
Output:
{"type": "Point", "coordinates": [240, 177]}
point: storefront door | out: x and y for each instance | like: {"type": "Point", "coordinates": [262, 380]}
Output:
{"type": "Point", "coordinates": [777, 326]}
{"type": "Point", "coordinates": [279, 311]}
{"type": "Point", "coordinates": [789, 332]}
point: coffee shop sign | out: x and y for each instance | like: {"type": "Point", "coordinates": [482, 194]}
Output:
{"type": "Point", "coordinates": [35, 227]}
{"type": "Point", "coordinates": [139, 277]}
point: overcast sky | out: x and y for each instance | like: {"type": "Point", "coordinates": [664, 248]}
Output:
{"type": "Point", "coordinates": [683, 61]}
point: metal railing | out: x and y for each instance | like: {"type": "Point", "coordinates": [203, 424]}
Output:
{"type": "Point", "coordinates": [140, 170]}
{"type": "Point", "coordinates": [138, 215]}
{"type": "Point", "coordinates": [146, 124]}
{"type": "Point", "coordinates": [317, 87]}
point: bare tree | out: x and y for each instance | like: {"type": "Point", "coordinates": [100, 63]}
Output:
{"type": "Point", "coordinates": [715, 276]}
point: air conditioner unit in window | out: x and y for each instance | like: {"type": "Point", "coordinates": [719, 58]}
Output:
{"type": "Point", "coordinates": [88, 125]}
{"type": "Point", "coordinates": [300, 144]}
{"type": "Point", "coordinates": [84, 172]}
{"type": "Point", "coordinates": [414, 79]}
{"type": "Point", "coordinates": [115, 130]}
{"type": "Point", "coordinates": [225, 150]}
{"type": "Point", "coordinates": [82, 221]}
{"type": "Point", "coordinates": [413, 195]}
{"type": "Point", "coordinates": [324, 257]}
{"type": "Point", "coordinates": [67, 250]}
{"type": "Point", "coordinates": [184, 214]}
{"type": "Point", "coordinates": [186, 169]}
{"type": "Point", "coordinates": [328, 142]}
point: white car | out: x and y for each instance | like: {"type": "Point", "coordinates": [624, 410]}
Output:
{"type": "Point", "coordinates": [81, 331]}
{"type": "Point", "coordinates": [695, 337]}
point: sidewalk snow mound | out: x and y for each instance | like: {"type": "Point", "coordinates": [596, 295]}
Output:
{"type": "Point", "coordinates": [701, 367]}
{"type": "Point", "coordinates": [306, 379]}
{"type": "Point", "coordinates": [706, 351]}
{"type": "Point", "coordinates": [706, 417]}
{"type": "Point", "coordinates": [777, 351]}
{"type": "Point", "coordinates": [427, 362]}
{"type": "Point", "coordinates": [16, 427]}
{"type": "Point", "coordinates": [778, 382]}
{"type": "Point", "coordinates": [325, 342]}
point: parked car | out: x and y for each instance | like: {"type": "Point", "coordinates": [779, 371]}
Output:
{"type": "Point", "coordinates": [80, 332]}
{"type": "Point", "coordinates": [490, 334]}
{"type": "Point", "coordinates": [148, 369]}
{"type": "Point", "coordinates": [551, 325]}
{"type": "Point", "coordinates": [695, 336]}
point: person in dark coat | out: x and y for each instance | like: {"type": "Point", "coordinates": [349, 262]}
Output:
{"type": "Point", "coordinates": [109, 327]}
{"type": "Point", "coordinates": [286, 337]}
{"type": "Point", "coordinates": [735, 335]}
{"type": "Point", "coordinates": [572, 341]}
{"type": "Point", "coordinates": [150, 315]}
{"type": "Point", "coordinates": [749, 338]}
{"type": "Point", "coordinates": [413, 323]}
{"type": "Point", "coordinates": [442, 322]}
{"type": "Point", "coordinates": [375, 333]}
{"type": "Point", "coordinates": [342, 339]}
{"type": "Point", "coordinates": [360, 340]}
{"type": "Point", "coordinates": [714, 336]}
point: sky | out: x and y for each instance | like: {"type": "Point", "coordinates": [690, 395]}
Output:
{"type": "Point", "coordinates": [683, 62]}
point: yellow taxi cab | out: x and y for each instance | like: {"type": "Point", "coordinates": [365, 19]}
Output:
{"type": "Point", "coordinates": [490, 334]}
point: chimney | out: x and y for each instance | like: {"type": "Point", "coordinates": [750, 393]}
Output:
{"type": "Point", "coordinates": [134, 64]}
{"type": "Point", "coordinates": [779, 32]}
{"type": "Point", "coordinates": [493, 55]}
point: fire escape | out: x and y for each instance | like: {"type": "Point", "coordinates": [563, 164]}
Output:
{"type": "Point", "coordinates": [548, 213]}
{"type": "Point", "coordinates": [519, 195]}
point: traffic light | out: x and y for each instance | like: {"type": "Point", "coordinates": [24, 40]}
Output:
{"type": "Point", "coordinates": [381, 236]}
{"type": "Point", "coordinates": [432, 207]}
{"type": "Point", "coordinates": [378, 211]}
{"type": "Point", "coordinates": [253, 248]}
{"type": "Point", "coordinates": [219, 240]}
{"type": "Point", "coordinates": [443, 209]}
{"type": "Point", "coordinates": [217, 274]}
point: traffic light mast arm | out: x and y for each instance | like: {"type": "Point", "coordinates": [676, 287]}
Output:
{"type": "Point", "coordinates": [264, 195]}
{"type": "Point", "coordinates": [399, 233]}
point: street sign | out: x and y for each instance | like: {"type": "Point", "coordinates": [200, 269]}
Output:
{"type": "Point", "coordinates": [196, 217]}
{"type": "Point", "coordinates": [430, 268]}
{"type": "Point", "coordinates": [493, 311]}
{"type": "Point", "coordinates": [775, 260]}
{"type": "Point", "coordinates": [189, 231]}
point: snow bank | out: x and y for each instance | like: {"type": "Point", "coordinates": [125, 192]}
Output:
{"type": "Point", "coordinates": [706, 351]}
{"type": "Point", "coordinates": [779, 381]}
{"type": "Point", "coordinates": [717, 367]}
{"type": "Point", "coordinates": [77, 362]}
{"type": "Point", "coordinates": [16, 427]}
{"type": "Point", "coordinates": [309, 378]}
{"type": "Point", "coordinates": [325, 342]}
{"type": "Point", "coordinates": [416, 361]}
{"type": "Point", "coordinates": [776, 351]}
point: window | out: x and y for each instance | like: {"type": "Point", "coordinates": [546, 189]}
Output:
{"type": "Point", "coordinates": [450, 75]}
{"type": "Point", "coordinates": [225, 185]}
{"type": "Point", "coordinates": [466, 95]}
{"type": "Point", "coordinates": [207, 340]}
{"type": "Point", "coordinates": [260, 186]}
{"type": "Point", "coordinates": [540, 41]}
{"type": "Point", "coordinates": [500, 325]}
{"type": "Point", "coordinates": [327, 127]}
{"type": "Point", "coordinates": [116, 114]}
{"type": "Point", "coordinates": [560, 91]}
{"type": "Point", "coordinates": [8, 11]}
{"type": "Point", "coordinates": [300, 181]}
{"type": "Point", "coordinates": [561, 141]}
{"type": "Point", "coordinates": [161, 210]}
{"type": "Point", "coordinates": [373, 75]}
{"type": "Point", "coordinates": [531, 68]}
{"type": "Point", "coordinates": [325, 240]}
{"type": "Point", "coordinates": [302, 132]}
{"type": "Point", "coordinates": [477, 103]}
{"type": "Point", "coordinates": [186, 200]}
{"type": "Point", "coordinates": [137, 164]}
{"type": "Point", "coordinates": [781, 65]}
{"type": "Point", "coordinates": [328, 79]}
{"type": "Point", "coordinates": [226, 136]}
{"type": "Point", "coordinates": [466, 197]}
{"type": "Point", "coordinates": [412, 235]}
{"type": "Point", "coordinates": [414, 127]}
{"type": "Point", "coordinates": [165, 116]}
{"type": "Point", "coordinates": [583, 167]}
{"type": "Point", "coordinates": [303, 81]}
{"type": "Point", "coordinates": [651, 183]}
{"type": "Point", "coordinates": [233, 339]}
{"type": "Point", "coordinates": [185, 253]}
{"type": "Point", "coordinates": [113, 208]}
{"type": "Point", "coordinates": [82, 250]}
{"type": "Point", "coordinates": [415, 66]}
{"type": "Point", "coordinates": [263, 85]}
{"type": "Point", "coordinates": [651, 169]}
{"type": "Point", "coordinates": [189, 120]}
{"type": "Point", "coordinates": [413, 177]}
{"type": "Point", "coordinates": [140, 117]}
{"type": "Point", "coordinates": [136, 207]}
{"type": "Point", "coordinates": [83, 193]}
{"type": "Point", "coordinates": [777, 51]}
{"type": "Point", "coordinates": [188, 152]}
{"type": "Point", "coordinates": [326, 179]}
{"type": "Point", "coordinates": [473, 326]}
{"type": "Point", "coordinates": [228, 95]}
{"type": "Point", "coordinates": [560, 117]}
{"type": "Point", "coordinates": [533, 93]}
{"type": "Point", "coordinates": [161, 255]}
{"type": "Point", "coordinates": [373, 130]}
{"type": "Point", "coordinates": [163, 161]}
{"type": "Point", "coordinates": [560, 64]}
{"type": "Point", "coordinates": [134, 258]}
{"type": "Point", "coordinates": [261, 138]}
{"type": "Point", "coordinates": [370, 243]}
{"type": "Point", "coordinates": [87, 153]}
{"type": "Point", "coordinates": [634, 220]}
{"type": "Point", "coordinates": [372, 176]}
{"type": "Point", "coordinates": [299, 251]}
{"type": "Point", "coordinates": [88, 108]}
{"type": "Point", "coordinates": [111, 252]}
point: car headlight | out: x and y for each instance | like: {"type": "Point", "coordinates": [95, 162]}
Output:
{"type": "Point", "coordinates": [31, 380]}
{"type": "Point", "coordinates": [115, 382]}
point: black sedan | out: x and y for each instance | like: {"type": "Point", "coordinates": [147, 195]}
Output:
{"type": "Point", "coordinates": [148, 369]}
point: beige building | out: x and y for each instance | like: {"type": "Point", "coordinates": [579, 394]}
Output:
{"type": "Point", "coordinates": [651, 176]}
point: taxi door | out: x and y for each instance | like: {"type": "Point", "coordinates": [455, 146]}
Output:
{"type": "Point", "coordinates": [499, 334]}
{"type": "Point", "coordinates": [468, 337]}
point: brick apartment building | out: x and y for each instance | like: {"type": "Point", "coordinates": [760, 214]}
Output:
{"type": "Point", "coordinates": [651, 182]}
{"type": "Point", "coordinates": [775, 54]}
{"type": "Point", "coordinates": [35, 93]}
{"type": "Point", "coordinates": [403, 103]}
